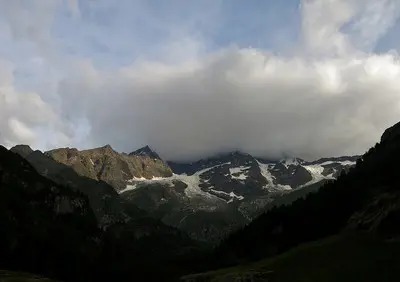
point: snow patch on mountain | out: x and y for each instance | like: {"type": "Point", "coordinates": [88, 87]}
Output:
{"type": "Point", "coordinates": [192, 181]}
{"type": "Point", "coordinates": [291, 161]}
{"type": "Point", "coordinates": [128, 188]}
{"type": "Point", "coordinates": [232, 195]}
{"type": "Point", "coordinates": [316, 171]}
{"type": "Point", "coordinates": [214, 184]}
{"type": "Point", "coordinates": [343, 163]}
{"type": "Point", "coordinates": [239, 173]}
{"type": "Point", "coordinates": [265, 172]}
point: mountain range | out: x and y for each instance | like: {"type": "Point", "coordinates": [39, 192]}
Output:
{"type": "Point", "coordinates": [137, 217]}
{"type": "Point", "coordinates": [206, 199]}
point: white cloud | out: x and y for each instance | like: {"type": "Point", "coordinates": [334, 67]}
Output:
{"type": "Point", "coordinates": [340, 27]}
{"type": "Point", "coordinates": [20, 130]}
{"type": "Point", "coordinates": [373, 20]}
{"type": "Point", "coordinates": [23, 115]}
{"type": "Point", "coordinates": [321, 21]}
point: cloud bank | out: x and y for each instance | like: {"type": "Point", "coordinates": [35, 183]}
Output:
{"type": "Point", "coordinates": [330, 92]}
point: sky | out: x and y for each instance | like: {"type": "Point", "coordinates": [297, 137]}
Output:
{"type": "Point", "coordinates": [311, 78]}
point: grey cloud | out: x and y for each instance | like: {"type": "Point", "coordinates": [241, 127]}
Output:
{"type": "Point", "coordinates": [241, 99]}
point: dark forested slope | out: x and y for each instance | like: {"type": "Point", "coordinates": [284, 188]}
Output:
{"type": "Point", "coordinates": [50, 229]}
{"type": "Point", "coordinates": [367, 198]}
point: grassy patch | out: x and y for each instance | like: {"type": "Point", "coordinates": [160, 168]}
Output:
{"type": "Point", "coordinates": [9, 276]}
{"type": "Point", "coordinates": [338, 258]}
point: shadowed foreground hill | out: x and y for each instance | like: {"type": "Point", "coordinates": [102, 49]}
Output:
{"type": "Point", "coordinates": [365, 200]}
{"type": "Point", "coordinates": [338, 258]}
{"type": "Point", "coordinates": [42, 224]}
{"type": "Point", "coordinates": [50, 229]}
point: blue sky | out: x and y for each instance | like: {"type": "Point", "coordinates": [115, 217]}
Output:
{"type": "Point", "coordinates": [115, 35]}
{"type": "Point", "coordinates": [193, 78]}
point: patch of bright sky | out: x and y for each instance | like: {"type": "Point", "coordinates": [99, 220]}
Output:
{"type": "Point", "coordinates": [114, 35]}
{"type": "Point", "coordinates": [389, 41]}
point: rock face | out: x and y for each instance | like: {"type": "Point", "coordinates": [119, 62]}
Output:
{"type": "Point", "coordinates": [104, 200]}
{"type": "Point", "coordinates": [110, 166]}
{"type": "Point", "coordinates": [146, 152]}
{"type": "Point", "coordinates": [22, 150]}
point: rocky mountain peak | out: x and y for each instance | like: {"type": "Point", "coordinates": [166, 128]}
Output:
{"type": "Point", "coordinates": [63, 155]}
{"type": "Point", "coordinates": [105, 149]}
{"type": "Point", "coordinates": [22, 150]}
{"type": "Point", "coordinates": [146, 151]}
{"type": "Point", "coordinates": [106, 164]}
